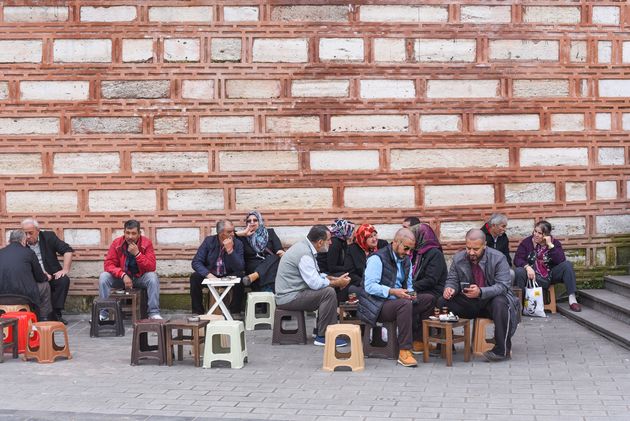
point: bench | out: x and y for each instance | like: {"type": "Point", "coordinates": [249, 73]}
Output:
{"type": "Point", "coordinates": [89, 286]}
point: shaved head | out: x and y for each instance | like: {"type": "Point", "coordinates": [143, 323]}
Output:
{"type": "Point", "coordinates": [475, 234]}
{"type": "Point", "coordinates": [405, 233]}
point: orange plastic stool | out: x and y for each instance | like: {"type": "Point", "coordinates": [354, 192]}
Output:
{"type": "Point", "coordinates": [25, 319]}
{"type": "Point", "coordinates": [48, 350]}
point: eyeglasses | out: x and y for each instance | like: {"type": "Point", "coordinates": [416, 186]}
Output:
{"type": "Point", "coordinates": [407, 248]}
{"type": "Point", "coordinates": [251, 221]}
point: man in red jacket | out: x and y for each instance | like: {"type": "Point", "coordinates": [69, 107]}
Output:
{"type": "Point", "coordinates": [130, 262]}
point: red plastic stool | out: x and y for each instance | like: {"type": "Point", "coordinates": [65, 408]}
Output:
{"type": "Point", "coordinates": [25, 318]}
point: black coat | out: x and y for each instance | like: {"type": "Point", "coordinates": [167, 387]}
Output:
{"type": "Point", "coordinates": [252, 259]}
{"type": "Point", "coordinates": [332, 262]}
{"type": "Point", "coordinates": [356, 261]}
{"type": "Point", "coordinates": [206, 257]}
{"type": "Point", "coordinates": [51, 246]}
{"type": "Point", "coordinates": [19, 272]}
{"type": "Point", "coordinates": [502, 244]}
{"type": "Point", "coordinates": [431, 275]}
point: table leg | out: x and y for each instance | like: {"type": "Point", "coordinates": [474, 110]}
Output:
{"type": "Point", "coordinates": [467, 342]}
{"type": "Point", "coordinates": [425, 342]}
{"type": "Point", "coordinates": [195, 345]}
{"type": "Point", "coordinates": [218, 301]}
{"type": "Point", "coordinates": [449, 345]}
{"type": "Point", "coordinates": [180, 348]}
{"type": "Point", "coordinates": [169, 346]}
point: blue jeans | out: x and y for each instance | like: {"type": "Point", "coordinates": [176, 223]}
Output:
{"type": "Point", "coordinates": [148, 281]}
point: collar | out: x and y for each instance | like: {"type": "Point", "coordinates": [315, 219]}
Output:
{"type": "Point", "coordinates": [396, 258]}
{"type": "Point", "coordinates": [313, 249]}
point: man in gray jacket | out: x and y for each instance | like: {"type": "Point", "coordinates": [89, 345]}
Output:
{"type": "Point", "coordinates": [300, 285]}
{"type": "Point", "coordinates": [479, 285]}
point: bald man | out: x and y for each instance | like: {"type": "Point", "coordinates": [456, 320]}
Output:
{"type": "Point", "coordinates": [478, 284]}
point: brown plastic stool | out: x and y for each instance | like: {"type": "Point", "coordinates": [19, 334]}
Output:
{"type": "Point", "coordinates": [283, 336]}
{"type": "Point", "coordinates": [140, 348]}
{"type": "Point", "coordinates": [376, 347]}
{"type": "Point", "coordinates": [112, 306]}
{"type": "Point", "coordinates": [5, 325]}
{"type": "Point", "coordinates": [48, 350]}
{"type": "Point", "coordinates": [333, 358]}
{"type": "Point", "coordinates": [551, 293]}
{"type": "Point", "coordinates": [480, 343]}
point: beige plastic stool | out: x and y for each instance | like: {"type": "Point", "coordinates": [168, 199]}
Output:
{"type": "Point", "coordinates": [552, 300]}
{"type": "Point", "coordinates": [333, 358]}
{"type": "Point", "coordinates": [251, 318]}
{"type": "Point", "coordinates": [480, 343]}
{"type": "Point", "coordinates": [13, 308]}
{"type": "Point", "coordinates": [236, 351]}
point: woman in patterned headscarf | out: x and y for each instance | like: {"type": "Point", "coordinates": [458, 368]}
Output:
{"type": "Point", "coordinates": [365, 242]}
{"type": "Point", "coordinates": [331, 262]}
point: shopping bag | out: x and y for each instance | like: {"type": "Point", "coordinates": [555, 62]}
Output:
{"type": "Point", "coordinates": [534, 304]}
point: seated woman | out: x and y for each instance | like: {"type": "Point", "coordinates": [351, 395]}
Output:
{"type": "Point", "coordinates": [540, 257]}
{"type": "Point", "coordinates": [332, 261]}
{"type": "Point", "coordinates": [365, 242]}
{"type": "Point", "coordinates": [262, 250]}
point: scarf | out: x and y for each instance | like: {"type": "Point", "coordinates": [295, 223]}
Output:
{"type": "Point", "coordinates": [364, 232]}
{"type": "Point", "coordinates": [259, 239]}
{"type": "Point", "coordinates": [342, 229]}
{"type": "Point", "coordinates": [425, 241]}
{"type": "Point", "coordinates": [539, 259]}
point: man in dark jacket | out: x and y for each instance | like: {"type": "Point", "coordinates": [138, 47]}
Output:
{"type": "Point", "coordinates": [218, 256]}
{"type": "Point", "coordinates": [21, 274]}
{"type": "Point", "coordinates": [496, 237]}
{"type": "Point", "coordinates": [47, 246]}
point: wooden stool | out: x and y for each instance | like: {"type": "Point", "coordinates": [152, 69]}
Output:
{"type": "Point", "coordinates": [446, 338]}
{"type": "Point", "coordinates": [112, 306]}
{"type": "Point", "coordinates": [140, 348]}
{"type": "Point", "coordinates": [480, 343]}
{"type": "Point", "coordinates": [235, 353]}
{"type": "Point", "coordinates": [9, 326]}
{"type": "Point", "coordinates": [251, 318]}
{"type": "Point", "coordinates": [23, 331]}
{"type": "Point", "coordinates": [13, 308]}
{"type": "Point", "coordinates": [48, 350]}
{"type": "Point", "coordinates": [195, 340]}
{"type": "Point", "coordinates": [133, 302]}
{"type": "Point", "coordinates": [376, 347]}
{"type": "Point", "coordinates": [344, 313]}
{"type": "Point", "coordinates": [551, 292]}
{"type": "Point", "coordinates": [333, 358]}
{"type": "Point", "coordinates": [283, 336]}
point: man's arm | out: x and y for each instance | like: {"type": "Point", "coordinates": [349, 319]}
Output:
{"type": "Point", "coordinates": [112, 263]}
{"type": "Point", "coordinates": [36, 268]}
{"type": "Point", "coordinates": [146, 259]}
{"type": "Point", "coordinates": [372, 278]}
{"type": "Point", "coordinates": [310, 274]}
{"type": "Point", "coordinates": [236, 260]}
{"type": "Point", "coordinates": [67, 263]}
{"type": "Point", "coordinates": [502, 280]}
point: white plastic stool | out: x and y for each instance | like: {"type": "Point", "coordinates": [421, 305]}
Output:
{"type": "Point", "coordinates": [251, 318]}
{"type": "Point", "coordinates": [215, 350]}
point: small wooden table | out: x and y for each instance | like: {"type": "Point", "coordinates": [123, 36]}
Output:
{"type": "Point", "coordinates": [446, 338]}
{"type": "Point", "coordinates": [195, 339]}
{"type": "Point", "coordinates": [5, 325]}
{"type": "Point", "coordinates": [213, 284]}
{"type": "Point", "coordinates": [344, 316]}
{"type": "Point", "coordinates": [131, 301]}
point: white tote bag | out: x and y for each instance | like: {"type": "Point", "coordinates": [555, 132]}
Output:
{"type": "Point", "coordinates": [534, 304]}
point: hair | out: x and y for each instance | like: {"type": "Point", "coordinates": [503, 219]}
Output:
{"type": "Point", "coordinates": [497, 219]}
{"type": "Point", "coordinates": [404, 233]}
{"type": "Point", "coordinates": [221, 223]}
{"type": "Point", "coordinates": [544, 226]}
{"type": "Point", "coordinates": [317, 232]}
{"type": "Point", "coordinates": [17, 236]}
{"type": "Point", "coordinates": [476, 234]}
{"type": "Point", "coordinates": [131, 224]}
{"type": "Point", "coordinates": [31, 221]}
{"type": "Point", "coordinates": [413, 220]}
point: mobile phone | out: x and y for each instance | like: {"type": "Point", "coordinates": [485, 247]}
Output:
{"type": "Point", "coordinates": [463, 285]}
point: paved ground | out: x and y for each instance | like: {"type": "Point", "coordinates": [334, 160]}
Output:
{"type": "Point", "coordinates": [559, 371]}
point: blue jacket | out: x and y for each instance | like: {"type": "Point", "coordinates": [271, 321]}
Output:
{"type": "Point", "coordinates": [206, 257]}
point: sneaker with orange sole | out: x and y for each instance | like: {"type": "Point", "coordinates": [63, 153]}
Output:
{"type": "Point", "coordinates": [417, 347]}
{"type": "Point", "coordinates": [405, 358]}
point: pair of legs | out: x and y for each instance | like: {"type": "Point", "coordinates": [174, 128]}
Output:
{"type": "Point", "coordinates": [323, 300]}
{"type": "Point", "coordinates": [59, 291]}
{"type": "Point", "coordinates": [45, 303]}
{"type": "Point", "coordinates": [561, 273]}
{"type": "Point", "coordinates": [148, 281]}
{"type": "Point", "coordinates": [406, 314]}
{"type": "Point", "coordinates": [196, 295]}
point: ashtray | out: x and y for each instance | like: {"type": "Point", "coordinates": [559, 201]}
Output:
{"type": "Point", "coordinates": [193, 319]}
{"type": "Point", "coordinates": [120, 291]}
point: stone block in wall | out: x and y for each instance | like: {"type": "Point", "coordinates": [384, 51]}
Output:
{"type": "Point", "coordinates": [568, 225]}
{"type": "Point", "coordinates": [485, 14]}
{"type": "Point", "coordinates": [280, 50]}
{"type": "Point", "coordinates": [240, 13]}
{"type": "Point", "coordinates": [20, 51]}
{"type": "Point", "coordinates": [108, 14]}
{"type": "Point", "coordinates": [402, 159]}
{"type": "Point", "coordinates": [293, 124]}
{"type": "Point", "coordinates": [86, 163]}
{"type": "Point", "coordinates": [625, 121]}
{"type": "Point", "coordinates": [391, 50]}
{"type": "Point", "coordinates": [35, 13]}
{"type": "Point", "coordinates": [625, 52]}
{"type": "Point", "coordinates": [396, 13]}
{"type": "Point", "coordinates": [578, 51]}
{"type": "Point", "coordinates": [82, 236]}
{"type": "Point", "coordinates": [122, 200]}
{"type": "Point", "coordinates": [605, 190]}
{"type": "Point", "coordinates": [529, 88]}
{"type": "Point", "coordinates": [549, 157]}
{"type": "Point", "coordinates": [177, 236]}
{"type": "Point", "coordinates": [369, 123]}
{"type": "Point", "coordinates": [337, 88]}
{"type": "Point", "coordinates": [456, 230]}
{"type": "Point", "coordinates": [243, 88]}
{"type": "Point", "coordinates": [441, 123]}
{"type": "Point", "coordinates": [445, 50]}
{"type": "Point", "coordinates": [344, 160]}
{"type": "Point", "coordinates": [137, 50]}
{"type": "Point", "coordinates": [225, 50]}
{"type": "Point", "coordinates": [530, 192]}
{"type": "Point", "coordinates": [341, 49]}
{"type": "Point", "coordinates": [459, 195]}
{"type": "Point", "coordinates": [202, 14]}
{"type": "Point", "coordinates": [519, 228]}
{"type": "Point", "coordinates": [279, 198]}
{"type": "Point", "coordinates": [194, 162]}
{"type": "Point", "coordinates": [575, 191]}
{"type": "Point", "coordinates": [507, 122]}
{"type": "Point", "coordinates": [551, 14]}
{"type": "Point", "coordinates": [387, 232]}
{"type": "Point", "coordinates": [54, 90]}
{"type": "Point", "coordinates": [289, 235]}
{"type": "Point", "coordinates": [29, 125]}
{"type": "Point", "coordinates": [614, 88]}
{"type": "Point", "coordinates": [299, 13]}
{"type": "Point", "coordinates": [463, 89]}
{"type": "Point", "coordinates": [195, 199]}
{"type": "Point", "coordinates": [612, 224]}
{"type": "Point", "coordinates": [604, 51]}
{"type": "Point", "coordinates": [82, 50]}
{"type": "Point", "coordinates": [86, 269]}
{"type": "Point", "coordinates": [181, 50]}
{"type": "Point", "coordinates": [173, 267]}
{"type": "Point", "coordinates": [35, 202]}
{"type": "Point", "coordinates": [198, 89]}
{"type": "Point", "coordinates": [519, 49]}
{"type": "Point", "coordinates": [605, 15]}
{"type": "Point", "coordinates": [603, 121]}
{"type": "Point", "coordinates": [611, 156]}
{"type": "Point", "coordinates": [89, 125]}
{"type": "Point", "coordinates": [20, 163]}
{"type": "Point", "coordinates": [131, 89]}
{"type": "Point", "coordinates": [567, 122]}
{"type": "Point", "coordinates": [383, 88]}
{"type": "Point", "coordinates": [170, 125]}
{"type": "Point", "coordinates": [4, 90]}
{"type": "Point", "coordinates": [226, 124]}
{"type": "Point", "coordinates": [379, 197]}
{"type": "Point", "coordinates": [258, 161]}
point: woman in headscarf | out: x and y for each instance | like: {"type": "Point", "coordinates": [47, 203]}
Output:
{"type": "Point", "coordinates": [332, 261]}
{"type": "Point", "coordinates": [365, 242]}
{"type": "Point", "coordinates": [262, 250]}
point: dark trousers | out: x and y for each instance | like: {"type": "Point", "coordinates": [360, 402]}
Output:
{"type": "Point", "coordinates": [267, 270]}
{"type": "Point", "coordinates": [323, 300]}
{"type": "Point", "coordinates": [423, 308]}
{"type": "Point", "coordinates": [59, 291]}
{"type": "Point", "coordinates": [196, 295]}
{"type": "Point", "coordinates": [562, 273]}
{"type": "Point", "coordinates": [496, 308]}
{"type": "Point", "coordinates": [403, 312]}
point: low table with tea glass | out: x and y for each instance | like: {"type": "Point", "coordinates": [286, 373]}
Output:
{"type": "Point", "coordinates": [226, 282]}
{"type": "Point", "coordinates": [446, 338]}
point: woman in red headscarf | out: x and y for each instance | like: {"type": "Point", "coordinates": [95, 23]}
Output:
{"type": "Point", "coordinates": [365, 242]}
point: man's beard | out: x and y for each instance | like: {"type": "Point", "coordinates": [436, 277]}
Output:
{"type": "Point", "coordinates": [474, 259]}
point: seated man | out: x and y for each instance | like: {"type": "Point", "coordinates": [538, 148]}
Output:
{"type": "Point", "coordinates": [21, 274]}
{"type": "Point", "coordinates": [218, 256]}
{"type": "Point", "coordinates": [496, 237]}
{"type": "Point", "coordinates": [484, 275]}
{"type": "Point", "coordinates": [385, 298]}
{"type": "Point", "coordinates": [130, 263]}
{"type": "Point", "coordinates": [300, 285]}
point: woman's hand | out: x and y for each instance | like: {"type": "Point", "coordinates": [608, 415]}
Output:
{"type": "Point", "coordinates": [549, 241]}
{"type": "Point", "coordinates": [531, 275]}
{"type": "Point", "coordinates": [280, 253]}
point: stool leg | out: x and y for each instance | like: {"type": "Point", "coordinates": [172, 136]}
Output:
{"type": "Point", "coordinates": [169, 347]}
{"type": "Point", "coordinates": [449, 346]}
{"type": "Point", "coordinates": [425, 342]}
{"type": "Point", "coordinates": [467, 342]}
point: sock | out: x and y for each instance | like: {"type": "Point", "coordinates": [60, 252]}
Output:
{"type": "Point", "coordinates": [572, 299]}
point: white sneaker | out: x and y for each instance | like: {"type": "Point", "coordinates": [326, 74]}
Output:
{"type": "Point", "coordinates": [156, 317]}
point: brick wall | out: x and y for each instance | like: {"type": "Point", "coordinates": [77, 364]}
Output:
{"type": "Point", "coordinates": [178, 112]}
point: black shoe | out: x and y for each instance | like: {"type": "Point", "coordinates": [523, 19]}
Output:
{"type": "Point", "coordinates": [491, 357]}
{"type": "Point", "coordinates": [60, 318]}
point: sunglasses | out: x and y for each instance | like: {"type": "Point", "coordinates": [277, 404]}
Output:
{"type": "Point", "coordinates": [251, 220]}
{"type": "Point", "coordinates": [407, 248]}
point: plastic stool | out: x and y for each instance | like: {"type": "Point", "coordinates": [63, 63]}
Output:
{"type": "Point", "coordinates": [140, 348]}
{"type": "Point", "coordinates": [8, 326]}
{"type": "Point", "coordinates": [115, 326]}
{"type": "Point", "coordinates": [48, 350]}
{"type": "Point", "coordinates": [13, 308]}
{"type": "Point", "coordinates": [251, 318]}
{"type": "Point", "coordinates": [235, 354]}
{"type": "Point", "coordinates": [552, 299]}
{"type": "Point", "coordinates": [480, 343]}
{"type": "Point", "coordinates": [25, 319]}
{"type": "Point", "coordinates": [376, 347]}
{"type": "Point", "coordinates": [283, 336]}
{"type": "Point", "coordinates": [132, 301]}
{"type": "Point", "coordinates": [333, 358]}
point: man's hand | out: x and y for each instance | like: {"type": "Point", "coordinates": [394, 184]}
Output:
{"type": "Point", "coordinates": [280, 253]}
{"type": "Point", "coordinates": [210, 276]}
{"type": "Point", "coordinates": [340, 281]}
{"type": "Point", "coordinates": [60, 274]}
{"type": "Point", "coordinates": [133, 248]}
{"type": "Point", "coordinates": [472, 291]}
{"type": "Point", "coordinates": [228, 244]}
{"type": "Point", "coordinates": [448, 293]}
{"type": "Point", "coordinates": [531, 275]}
{"type": "Point", "coordinates": [400, 293]}
{"type": "Point", "coordinates": [128, 282]}
{"type": "Point", "coordinates": [48, 276]}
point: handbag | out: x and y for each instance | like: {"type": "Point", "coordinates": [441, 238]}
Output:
{"type": "Point", "coordinates": [534, 304]}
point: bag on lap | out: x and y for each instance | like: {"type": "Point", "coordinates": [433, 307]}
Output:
{"type": "Point", "coordinates": [534, 304]}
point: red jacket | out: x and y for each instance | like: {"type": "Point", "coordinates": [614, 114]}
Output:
{"type": "Point", "coordinates": [115, 259]}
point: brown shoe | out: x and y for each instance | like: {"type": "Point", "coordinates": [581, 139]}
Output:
{"type": "Point", "coordinates": [575, 307]}
{"type": "Point", "coordinates": [405, 358]}
{"type": "Point", "coordinates": [417, 347]}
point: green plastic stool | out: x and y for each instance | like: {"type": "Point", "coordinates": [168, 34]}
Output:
{"type": "Point", "coordinates": [251, 318]}
{"type": "Point", "coordinates": [235, 352]}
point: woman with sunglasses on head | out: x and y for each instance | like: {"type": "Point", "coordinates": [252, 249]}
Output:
{"type": "Point", "coordinates": [332, 261]}
{"type": "Point", "coordinates": [262, 250]}
{"type": "Point", "coordinates": [366, 241]}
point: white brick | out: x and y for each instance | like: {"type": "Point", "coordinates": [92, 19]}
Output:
{"type": "Point", "coordinates": [456, 231]}
{"type": "Point", "coordinates": [295, 124]}
{"type": "Point", "coordinates": [87, 269]}
{"type": "Point", "coordinates": [463, 89]}
{"type": "Point", "coordinates": [180, 14]}
{"type": "Point", "coordinates": [527, 88]}
{"type": "Point", "coordinates": [195, 199]}
{"type": "Point", "coordinates": [567, 122]}
{"type": "Point", "coordinates": [181, 49]}
{"type": "Point", "coordinates": [253, 88]}
{"type": "Point", "coordinates": [320, 88]}
{"type": "Point", "coordinates": [82, 236]}
{"type": "Point", "coordinates": [341, 49]}
{"type": "Point", "coordinates": [4, 90]}
{"type": "Point", "coordinates": [520, 228]}
{"type": "Point", "coordinates": [290, 198]}
{"type": "Point", "coordinates": [344, 160]}
{"type": "Point", "coordinates": [518, 49]}
{"type": "Point", "coordinates": [613, 224]}
{"type": "Point", "coordinates": [122, 200]}
{"type": "Point", "coordinates": [226, 124]}
{"type": "Point", "coordinates": [34, 202]}
{"type": "Point", "coordinates": [226, 50]}
{"type": "Point", "coordinates": [258, 161]}
{"type": "Point", "coordinates": [290, 235]}
{"type": "Point", "coordinates": [402, 159]}
{"type": "Point", "coordinates": [603, 121]}
{"type": "Point", "coordinates": [604, 51]}
{"type": "Point", "coordinates": [625, 58]}
{"type": "Point", "coordinates": [615, 88]}
{"type": "Point", "coordinates": [240, 14]}
{"type": "Point", "coordinates": [170, 125]}
{"type": "Point", "coordinates": [383, 88]}
{"type": "Point", "coordinates": [195, 162]}
{"type": "Point", "coordinates": [403, 13]}
{"type": "Point", "coordinates": [327, 13]}
{"type": "Point", "coordinates": [54, 90]}
{"type": "Point", "coordinates": [392, 50]}
{"type": "Point", "coordinates": [91, 125]}
{"type": "Point", "coordinates": [29, 125]}
{"type": "Point", "coordinates": [369, 123]}
{"type": "Point", "coordinates": [445, 50]}
{"type": "Point", "coordinates": [551, 14]}
{"type": "Point", "coordinates": [173, 268]}
{"type": "Point", "coordinates": [380, 197]}
{"type": "Point", "coordinates": [507, 122]}
{"type": "Point", "coordinates": [87, 163]}
{"type": "Point", "coordinates": [611, 156]}
{"type": "Point", "coordinates": [625, 121]}
{"type": "Point", "coordinates": [441, 123]}
{"type": "Point", "coordinates": [551, 157]}
{"type": "Point", "coordinates": [82, 50]}
{"type": "Point", "coordinates": [132, 89]}
{"type": "Point", "coordinates": [566, 226]}
{"type": "Point", "coordinates": [35, 14]}
{"type": "Point", "coordinates": [20, 163]}
{"type": "Point", "coordinates": [485, 14]}
{"type": "Point", "coordinates": [137, 50]}
{"type": "Point", "coordinates": [606, 15]}
{"type": "Point", "coordinates": [185, 236]}
{"type": "Point", "coordinates": [198, 89]}
{"type": "Point", "coordinates": [579, 51]}
{"type": "Point", "coordinates": [459, 195]}
{"type": "Point", "coordinates": [530, 192]}
{"type": "Point", "coordinates": [108, 14]}
{"type": "Point", "coordinates": [280, 50]}
{"type": "Point", "coordinates": [605, 190]}
{"type": "Point", "coordinates": [575, 192]}
{"type": "Point", "coordinates": [22, 51]}
{"type": "Point", "coordinates": [386, 231]}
